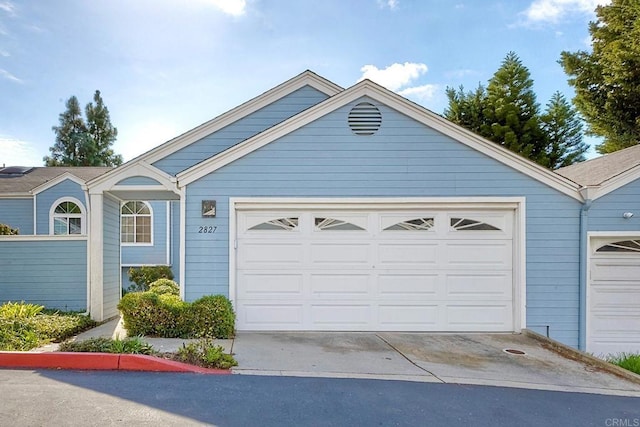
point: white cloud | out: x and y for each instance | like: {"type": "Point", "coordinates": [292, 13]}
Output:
{"type": "Point", "coordinates": [421, 94]}
{"type": "Point", "coordinates": [395, 76]}
{"type": "Point", "coordinates": [230, 7]}
{"type": "Point", "coordinates": [14, 152]}
{"type": "Point", "coordinates": [391, 4]}
{"type": "Point", "coordinates": [553, 10]}
{"type": "Point", "coordinates": [7, 75]}
{"type": "Point", "coordinates": [8, 7]}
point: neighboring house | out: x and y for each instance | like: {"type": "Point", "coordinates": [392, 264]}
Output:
{"type": "Point", "coordinates": [315, 207]}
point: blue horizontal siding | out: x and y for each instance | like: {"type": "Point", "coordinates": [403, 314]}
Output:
{"type": "Point", "coordinates": [242, 129]}
{"type": "Point", "coordinates": [157, 253]}
{"type": "Point", "coordinates": [52, 273]}
{"type": "Point", "coordinates": [606, 212]}
{"type": "Point", "coordinates": [17, 213]}
{"type": "Point", "coordinates": [111, 257]}
{"type": "Point", "coordinates": [404, 159]}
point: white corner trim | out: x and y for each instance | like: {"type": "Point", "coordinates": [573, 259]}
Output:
{"type": "Point", "coordinates": [306, 78]}
{"type": "Point", "coordinates": [392, 100]}
{"type": "Point", "coordinates": [57, 180]}
{"type": "Point", "coordinates": [35, 215]}
{"type": "Point", "coordinates": [169, 228]}
{"type": "Point", "coordinates": [183, 241]}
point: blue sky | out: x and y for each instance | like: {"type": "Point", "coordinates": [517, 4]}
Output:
{"type": "Point", "coordinates": [166, 66]}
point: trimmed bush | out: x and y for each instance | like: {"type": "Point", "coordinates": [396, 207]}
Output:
{"type": "Point", "coordinates": [144, 276]}
{"type": "Point", "coordinates": [213, 317]}
{"type": "Point", "coordinates": [166, 315]}
{"type": "Point", "coordinates": [165, 287]}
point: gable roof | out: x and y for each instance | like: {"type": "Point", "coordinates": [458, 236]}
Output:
{"type": "Point", "coordinates": [397, 102]}
{"type": "Point", "coordinates": [24, 184]}
{"type": "Point", "coordinates": [597, 171]}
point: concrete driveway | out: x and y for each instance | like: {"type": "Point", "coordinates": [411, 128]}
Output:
{"type": "Point", "coordinates": [514, 360]}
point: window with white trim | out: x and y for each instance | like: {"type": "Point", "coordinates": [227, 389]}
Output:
{"type": "Point", "coordinates": [67, 217]}
{"type": "Point", "coordinates": [136, 224]}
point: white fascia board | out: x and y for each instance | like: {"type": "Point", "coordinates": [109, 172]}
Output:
{"type": "Point", "coordinates": [392, 100]}
{"type": "Point", "coordinates": [16, 196]}
{"type": "Point", "coordinates": [110, 180]}
{"type": "Point", "coordinates": [307, 78]}
{"type": "Point", "coordinates": [614, 183]}
{"type": "Point", "coordinates": [57, 180]}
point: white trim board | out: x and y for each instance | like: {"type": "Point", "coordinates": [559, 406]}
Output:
{"type": "Point", "coordinates": [369, 89]}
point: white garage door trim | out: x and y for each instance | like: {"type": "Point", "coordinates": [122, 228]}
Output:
{"type": "Point", "coordinates": [470, 203]}
{"type": "Point", "coordinates": [595, 240]}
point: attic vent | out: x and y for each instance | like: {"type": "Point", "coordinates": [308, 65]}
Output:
{"type": "Point", "coordinates": [365, 119]}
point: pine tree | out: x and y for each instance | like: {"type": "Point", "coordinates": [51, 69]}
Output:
{"type": "Point", "coordinates": [467, 108]}
{"type": "Point", "coordinates": [80, 143]}
{"type": "Point", "coordinates": [607, 80]}
{"type": "Point", "coordinates": [563, 129]}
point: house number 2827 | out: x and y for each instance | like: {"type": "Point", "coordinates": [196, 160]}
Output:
{"type": "Point", "coordinates": [207, 229]}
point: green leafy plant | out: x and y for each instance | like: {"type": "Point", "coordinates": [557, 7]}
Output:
{"type": "Point", "coordinates": [165, 287]}
{"type": "Point", "coordinates": [19, 310]}
{"type": "Point", "coordinates": [144, 276]}
{"type": "Point", "coordinates": [212, 317]}
{"type": "Point", "coordinates": [628, 361]}
{"type": "Point", "coordinates": [5, 230]}
{"type": "Point", "coordinates": [130, 345]}
{"type": "Point", "coordinates": [205, 353]}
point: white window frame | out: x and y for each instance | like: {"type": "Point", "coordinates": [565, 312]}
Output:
{"type": "Point", "coordinates": [82, 215]}
{"type": "Point", "coordinates": [150, 243]}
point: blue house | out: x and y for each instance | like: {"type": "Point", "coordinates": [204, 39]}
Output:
{"type": "Point", "coordinates": [314, 207]}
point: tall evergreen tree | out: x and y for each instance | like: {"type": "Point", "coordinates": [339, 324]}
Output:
{"type": "Point", "coordinates": [80, 143]}
{"type": "Point", "coordinates": [563, 129]}
{"type": "Point", "coordinates": [507, 113]}
{"type": "Point", "coordinates": [607, 79]}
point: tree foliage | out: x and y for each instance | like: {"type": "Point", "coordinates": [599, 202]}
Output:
{"type": "Point", "coordinates": [607, 80]}
{"type": "Point", "coordinates": [84, 143]}
{"type": "Point", "coordinates": [507, 113]}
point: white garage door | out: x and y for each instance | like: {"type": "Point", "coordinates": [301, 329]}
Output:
{"type": "Point", "coordinates": [372, 271]}
{"type": "Point", "coordinates": [614, 298]}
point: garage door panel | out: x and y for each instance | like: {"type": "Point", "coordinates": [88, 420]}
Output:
{"type": "Point", "coordinates": [326, 285]}
{"type": "Point", "coordinates": [261, 316]}
{"type": "Point", "coordinates": [621, 269]}
{"type": "Point", "coordinates": [478, 254]}
{"type": "Point", "coordinates": [416, 285]}
{"type": "Point", "coordinates": [481, 286]}
{"type": "Point", "coordinates": [410, 254]}
{"type": "Point", "coordinates": [409, 317]}
{"type": "Point", "coordinates": [474, 317]}
{"type": "Point", "coordinates": [341, 254]}
{"type": "Point", "coordinates": [269, 285]}
{"type": "Point", "coordinates": [346, 316]}
{"type": "Point", "coordinates": [270, 254]}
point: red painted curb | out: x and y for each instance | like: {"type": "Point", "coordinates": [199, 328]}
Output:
{"type": "Point", "coordinates": [99, 361]}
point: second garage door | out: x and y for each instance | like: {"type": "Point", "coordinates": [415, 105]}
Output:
{"type": "Point", "coordinates": [351, 270]}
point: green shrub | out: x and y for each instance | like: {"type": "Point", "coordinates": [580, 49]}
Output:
{"type": "Point", "coordinates": [166, 315]}
{"type": "Point", "coordinates": [144, 276]}
{"type": "Point", "coordinates": [205, 353]}
{"type": "Point", "coordinates": [19, 310]}
{"type": "Point", "coordinates": [16, 335]}
{"type": "Point", "coordinates": [212, 317]}
{"type": "Point", "coordinates": [5, 230]}
{"type": "Point", "coordinates": [628, 361]}
{"type": "Point", "coordinates": [130, 345]}
{"type": "Point", "coordinates": [165, 287]}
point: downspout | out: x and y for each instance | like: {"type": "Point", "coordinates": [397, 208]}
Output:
{"type": "Point", "coordinates": [584, 228]}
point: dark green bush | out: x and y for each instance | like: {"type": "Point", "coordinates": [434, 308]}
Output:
{"type": "Point", "coordinates": [131, 345]}
{"type": "Point", "coordinates": [166, 315]}
{"type": "Point", "coordinates": [205, 353]}
{"type": "Point", "coordinates": [213, 317]}
{"type": "Point", "coordinates": [5, 230]}
{"type": "Point", "coordinates": [142, 277]}
{"type": "Point", "coordinates": [165, 287]}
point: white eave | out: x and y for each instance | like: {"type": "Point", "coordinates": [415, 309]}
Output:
{"type": "Point", "coordinates": [594, 192]}
{"type": "Point", "coordinates": [391, 99]}
{"type": "Point", "coordinates": [57, 180]}
{"type": "Point", "coordinates": [111, 182]}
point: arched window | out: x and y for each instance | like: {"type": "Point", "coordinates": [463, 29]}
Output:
{"type": "Point", "coordinates": [136, 223]}
{"type": "Point", "coordinates": [67, 216]}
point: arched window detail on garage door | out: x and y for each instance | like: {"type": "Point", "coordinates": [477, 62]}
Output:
{"type": "Point", "coordinates": [324, 223]}
{"type": "Point", "coordinates": [289, 223]}
{"type": "Point", "coordinates": [460, 224]}
{"type": "Point", "coordinates": [621, 246]}
{"type": "Point", "coordinates": [417, 224]}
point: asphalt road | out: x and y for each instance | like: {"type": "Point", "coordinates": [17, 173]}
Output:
{"type": "Point", "coordinates": [61, 398]}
